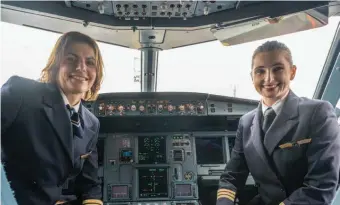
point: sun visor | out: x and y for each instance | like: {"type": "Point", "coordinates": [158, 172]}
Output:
{"type": "Point", "coordinates": [266, 28]}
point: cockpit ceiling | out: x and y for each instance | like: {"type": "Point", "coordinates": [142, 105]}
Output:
{"type": "Point", "coordinates": [158, 24]}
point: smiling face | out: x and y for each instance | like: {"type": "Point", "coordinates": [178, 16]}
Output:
{"type": "Point", "coordinates": [77, 72]}
{"type": "Point", "coordinates": [271, 74]}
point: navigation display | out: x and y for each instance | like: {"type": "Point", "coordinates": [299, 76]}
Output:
{"type": "Point", "coordinates": [153, 182]}
{"type": "Point", "coordinates": [151, 150]}
{"type": "Point", "coordinates": [209, 150]}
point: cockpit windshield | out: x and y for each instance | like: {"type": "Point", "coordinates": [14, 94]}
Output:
{"type": "Point", "coordinates": [209, 67]}
{"type": "Point", "coordinates": [216, 69]}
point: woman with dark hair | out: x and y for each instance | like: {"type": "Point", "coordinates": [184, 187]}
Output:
{"type": "Point", "coordinates": [48, 136]}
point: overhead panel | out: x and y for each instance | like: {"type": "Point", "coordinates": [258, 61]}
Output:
{"type": "Point", "coordinates": [159, 9]}
{"type": "Point", "coordinates": [158, 24]}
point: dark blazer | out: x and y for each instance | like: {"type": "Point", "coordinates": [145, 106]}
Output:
{"type": "Point", "coordinates": [36, 142]}
{"type": "Point", "coordinates": [299, 161]}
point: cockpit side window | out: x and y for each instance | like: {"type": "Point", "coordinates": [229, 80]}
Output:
{"type": "Point", "coordinates": [337, 111]}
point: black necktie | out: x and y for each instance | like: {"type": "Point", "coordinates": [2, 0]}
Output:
{"type": "Point", "coordinates": [269, 116]}
{"type": "Point", "coordinates": [75, 120]}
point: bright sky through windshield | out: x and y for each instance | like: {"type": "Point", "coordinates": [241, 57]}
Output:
{"type": "Point", "coordinates": [208, 67]}
{"type": "Point", "coordinates": [216, 69]}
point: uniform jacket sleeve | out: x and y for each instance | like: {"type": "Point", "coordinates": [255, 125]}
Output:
{"type": "Point", "coordinates": [323, 155]}
{"type": "Point", "coordinates": [11, 101]}
{"type": "Point", "coordinates": [235, 174]}
{"type": "Point", "coordinates": [87, 183]}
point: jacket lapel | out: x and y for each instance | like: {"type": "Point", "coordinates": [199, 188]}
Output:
{"type": "Point", "coordinates": [88, 126]}
{"type": "Point", "coordinates": [57, 115]}
{"type": "Point", "coordinates": [283, 122]}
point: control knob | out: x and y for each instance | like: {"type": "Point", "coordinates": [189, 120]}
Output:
{"type": "Point", "coordinates": [170, 108]}
{"type": "Point", "coordinates": [200, 108]}
{"type": "Point", "coordinates": [120, 108]}
{"type": "Point", "coordinates": [181, 108]}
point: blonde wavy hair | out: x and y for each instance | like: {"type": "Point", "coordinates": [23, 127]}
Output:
{"type": "Point", "coordinates": [50, 72]}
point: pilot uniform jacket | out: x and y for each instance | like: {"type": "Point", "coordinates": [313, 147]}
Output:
{"type": "Point", "coordinates": [37, 142]}
{"type": "Point", "coordinates": [297, 161]}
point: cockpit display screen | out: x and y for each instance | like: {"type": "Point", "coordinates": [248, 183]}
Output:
{"type": "Point", "coordinates": [209, 150]}
{"type": "Point", "coordinates": [151, 150]}
{"type": "Point", "coordinates": [183, 190]}
{"type": "Point", "coordinates": [120, 192]}
{"type": "Point", "coordinates": [126, 155]}
{"type": "Point", "coordinates": [153, 182]}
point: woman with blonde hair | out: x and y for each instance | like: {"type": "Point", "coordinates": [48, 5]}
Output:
{"type": "Point", "coordinates": [48, 137]}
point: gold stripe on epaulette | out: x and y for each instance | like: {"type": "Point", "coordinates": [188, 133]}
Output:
{"type": "Point", "coordinates": [226, 196]}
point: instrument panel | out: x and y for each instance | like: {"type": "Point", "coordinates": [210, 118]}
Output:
{"type": "Point", "coordinates": [150, 107]}
{"type": "Point", "coordinates": [161, 168]}
{"type": "Point", "coordinates": [155, 147]}
{"type": "Point", "coordinates": [168, 104]}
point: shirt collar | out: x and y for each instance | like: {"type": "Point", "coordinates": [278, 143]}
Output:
{"type": "Point", "coordinates": [277, 106]}
{"type": "Point", "coordinates": [66, 102]}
